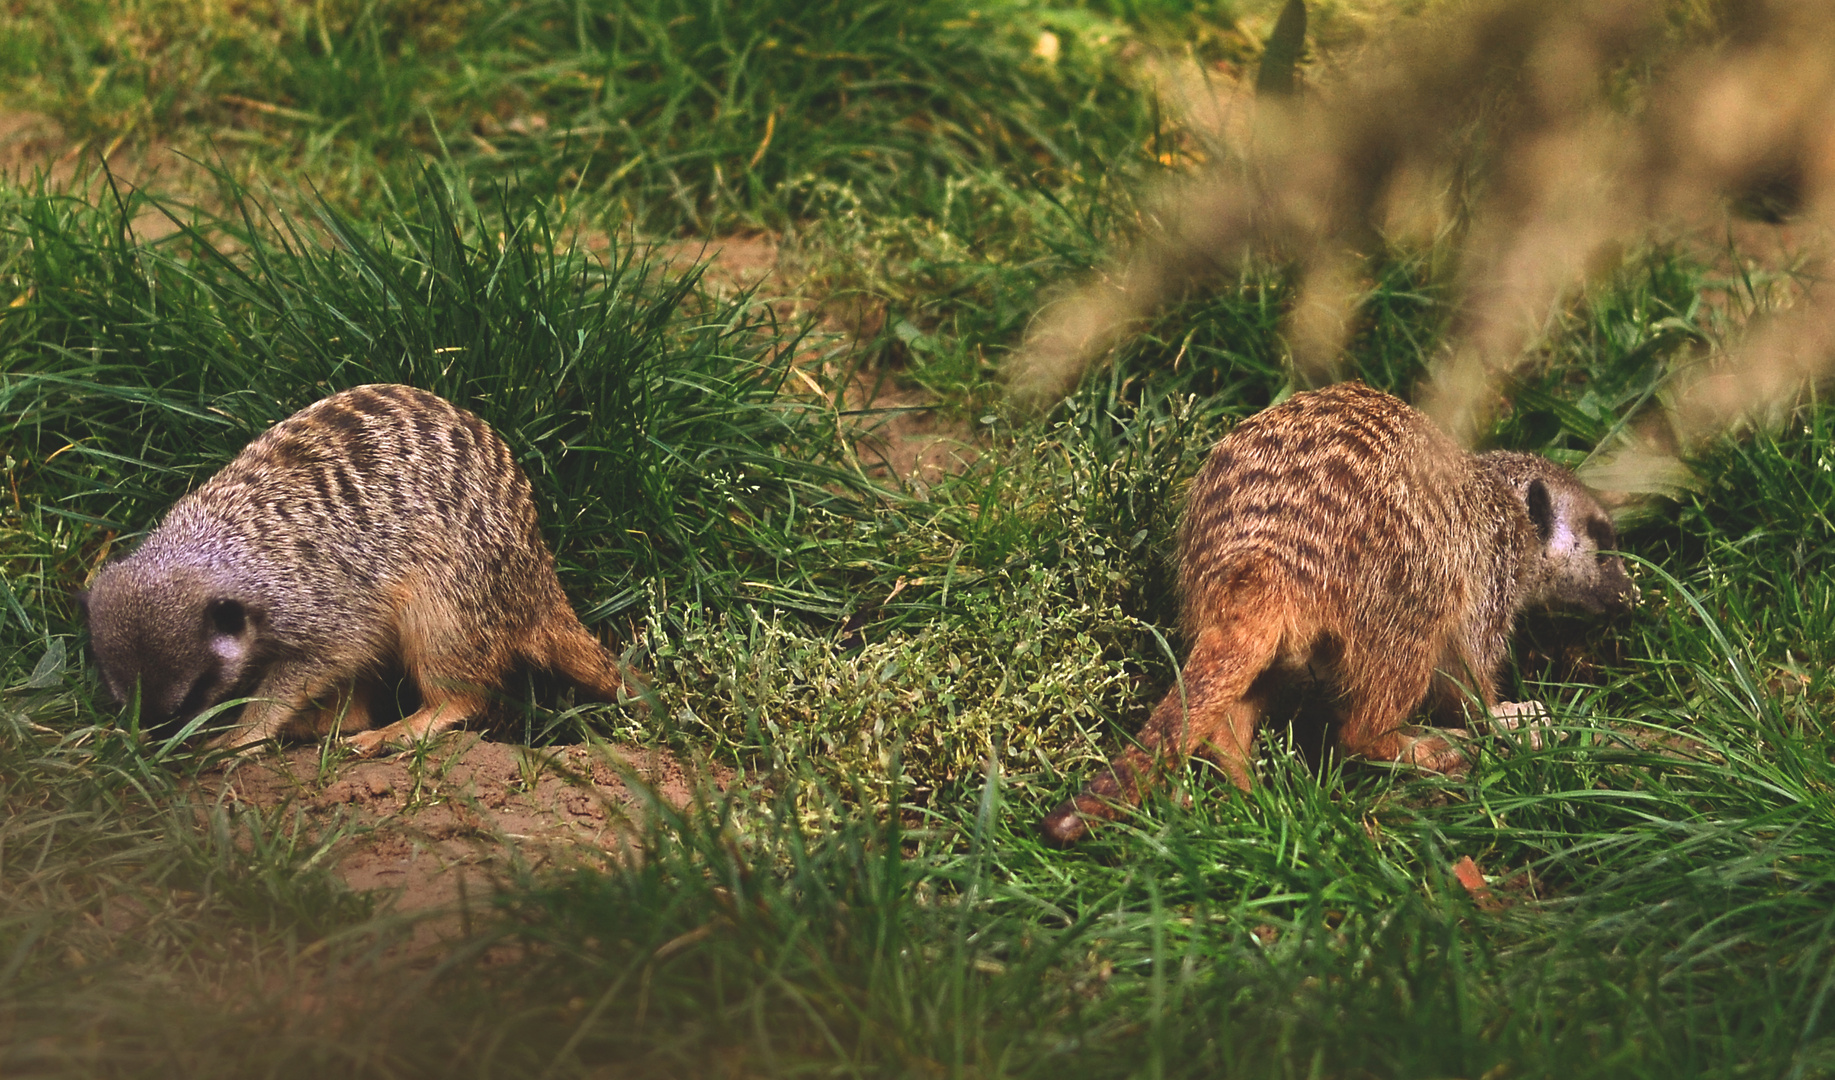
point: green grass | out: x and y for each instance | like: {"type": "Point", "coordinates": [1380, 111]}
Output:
{"type": "Point", "coordinates": [673, 114]}
{"type": "Point", "coordinates": [905, 682]}
{"type": "Point", "coordinates": [656, 428]}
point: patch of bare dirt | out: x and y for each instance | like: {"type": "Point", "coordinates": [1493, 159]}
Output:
{"type": "Point", "coordinates": [734, 263]}
{"type": "Point", "coordinates": [439, 829]}
{"type": "Point", "coordinates": [30, 140]}
{"type": "Point", "coordinates": [905, 441]}
{"type": "Point", "coordinates": [33, 145]}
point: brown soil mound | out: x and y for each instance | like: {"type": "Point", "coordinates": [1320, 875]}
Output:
{"type": "Point", "coordinates": [443, 826]}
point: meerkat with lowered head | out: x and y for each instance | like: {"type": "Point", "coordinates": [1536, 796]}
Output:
{"type": "Point", "coordinates": [380, 529]}
{"type": "Point", "coordinates": [1341, 535]}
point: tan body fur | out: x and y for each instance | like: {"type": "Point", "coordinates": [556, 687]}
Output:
{"type": "Point", "coordinates": [379, 530]}
{"type": "Point", "coordinates": [1341, 535]}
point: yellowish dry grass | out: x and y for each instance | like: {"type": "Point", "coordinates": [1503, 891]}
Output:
{"type": "Point", "coordinates": [1534, 141]}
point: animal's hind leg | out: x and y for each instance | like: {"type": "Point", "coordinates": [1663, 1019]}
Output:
{"type": "Point", "coordinates": [1207, 710]}
{"type": "Point", "coordinates": [447, 700]}
{"type": "Point", "coordinates": [1376, 724]}
{"type": "Point", "coordinates": [1233, 748]}
{"type": "Point", "coordinates": [451, 663]}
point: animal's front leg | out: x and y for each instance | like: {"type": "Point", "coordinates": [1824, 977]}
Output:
{"type": "Point", "coordinates": [275, 703]}
{"type": "Point", "coordinates": [348, 711]}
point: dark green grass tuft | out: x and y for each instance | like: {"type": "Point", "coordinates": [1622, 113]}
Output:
{"type": "Point", "coordinates": [653, 422]}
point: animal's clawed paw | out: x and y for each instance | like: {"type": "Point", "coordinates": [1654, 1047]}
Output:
{"type": "Point", "coordinates": [1063, 827]}
{"type": "Point", "coordinates": [366, 743]}
{"type": "Point", "coordinates": [1529, 721]}
{"type": "Point", "coordinates": [371, 743]}
{"type": "Point", "coordinates": [1438, 752]}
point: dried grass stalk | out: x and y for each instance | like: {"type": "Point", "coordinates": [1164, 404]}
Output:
{"type": "Point", "coordinates": [1543, 136]}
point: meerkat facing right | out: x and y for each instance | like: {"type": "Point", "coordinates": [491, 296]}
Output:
{"type": "Point", "coordinates": [1342, 534]}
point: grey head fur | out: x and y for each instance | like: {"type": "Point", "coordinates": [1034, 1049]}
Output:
{"type": "Point", "coordinates": [1573, 567]}
{"type": "Point", "coordinates": [181, 637]}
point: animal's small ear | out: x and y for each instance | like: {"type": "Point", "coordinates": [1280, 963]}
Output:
{"type": "Point", "coordinates": [1541, 509]}
{"type": "Point", "coordinates": [81, 596]}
